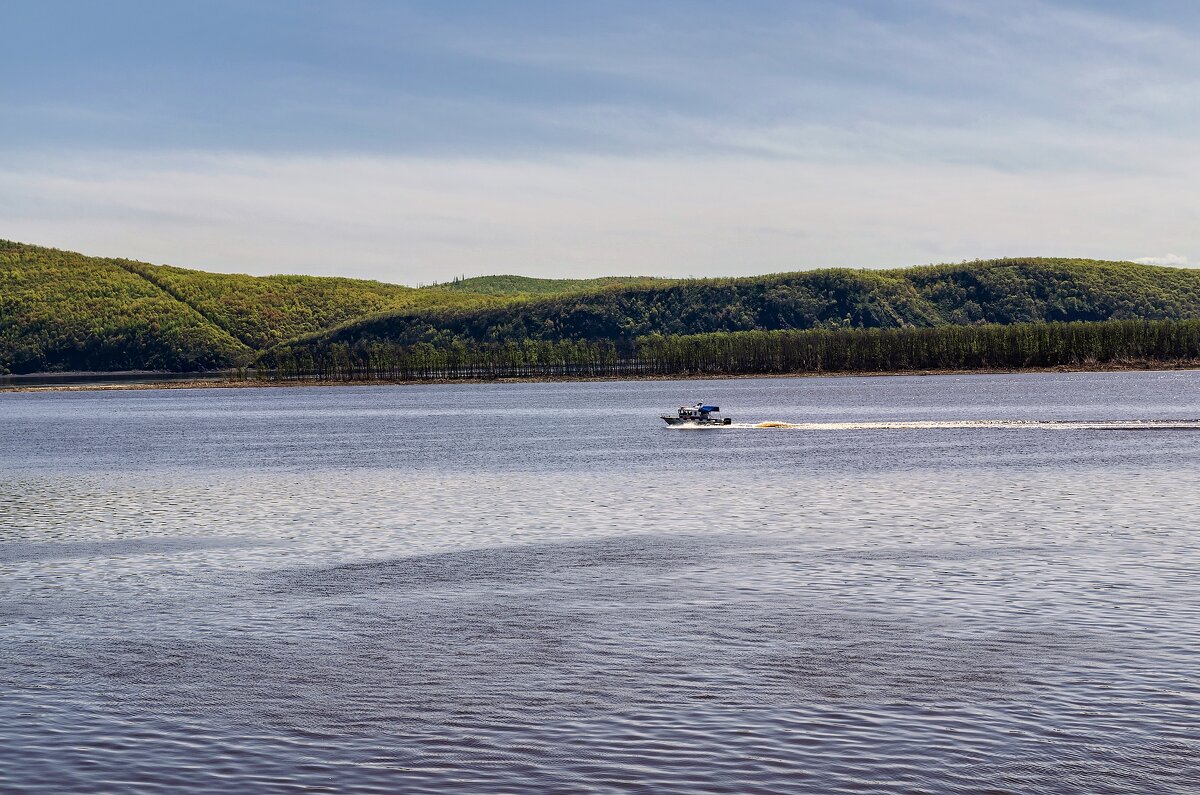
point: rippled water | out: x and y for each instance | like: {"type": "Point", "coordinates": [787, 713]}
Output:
{"type": "Point", "coordinates": [940, 584]}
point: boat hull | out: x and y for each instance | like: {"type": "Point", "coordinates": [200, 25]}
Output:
{"type": "Point", "coordinates": [694, 421]}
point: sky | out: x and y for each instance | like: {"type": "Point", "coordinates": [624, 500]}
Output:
{"type": "Point", "coordinates": [418, 141]}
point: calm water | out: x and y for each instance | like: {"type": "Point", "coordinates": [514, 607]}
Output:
{"type": "Point", "coordinates": [540, 587]}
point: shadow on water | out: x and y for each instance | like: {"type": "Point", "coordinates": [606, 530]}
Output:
{"type": "Point", "coordinates": [532, 564]}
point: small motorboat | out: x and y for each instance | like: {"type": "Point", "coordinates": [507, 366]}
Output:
{"type": "Point", "coordinates": [698, 414]}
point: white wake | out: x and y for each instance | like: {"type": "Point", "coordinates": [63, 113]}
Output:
{"type": "Point", "coordinates": [889, 425]}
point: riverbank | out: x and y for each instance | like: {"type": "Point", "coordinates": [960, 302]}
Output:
{"type": "Point", "coordinates": [228, 382]}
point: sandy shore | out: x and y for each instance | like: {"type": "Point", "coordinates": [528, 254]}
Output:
{"type": "Point", "coordinates": [225, 382]}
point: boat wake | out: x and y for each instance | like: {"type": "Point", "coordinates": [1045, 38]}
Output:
{"type": "Point", "coordinates": [1065, 425]}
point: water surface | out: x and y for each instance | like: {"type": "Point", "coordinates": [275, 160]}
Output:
{"type": "Point", "coordinates": [931, 584]}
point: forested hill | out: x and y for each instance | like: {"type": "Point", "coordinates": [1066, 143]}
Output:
{"type": "Point", "coordinates": [997, 291]}
{"type": "Point", "coordinates": [62, 311]}
{"type": "Point", "coordinates": [65, 311]}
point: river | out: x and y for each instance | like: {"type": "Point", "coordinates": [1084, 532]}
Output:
{"type": "Point", "coordinates": [929, 584]}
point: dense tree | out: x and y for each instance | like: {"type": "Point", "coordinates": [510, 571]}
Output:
{"type": "Point", "coordinates": [990, 346]}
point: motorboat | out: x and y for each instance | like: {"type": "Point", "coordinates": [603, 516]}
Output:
{"type": "Point", "coordinates": [699, 414]}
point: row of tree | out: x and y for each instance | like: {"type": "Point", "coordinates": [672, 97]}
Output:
{"type": "Point", "coordinates": [755, 352]}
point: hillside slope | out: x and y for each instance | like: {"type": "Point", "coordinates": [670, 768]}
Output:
{"type": "Point", "coordinates": [998, 291]}
{"type": "Point", "coordinates": [65, 311]}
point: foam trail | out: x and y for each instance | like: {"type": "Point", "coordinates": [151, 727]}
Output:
{"type": "Point", "coordinates": [1066, 425]}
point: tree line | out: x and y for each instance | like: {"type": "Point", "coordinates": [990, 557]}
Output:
{"type": "Point", "coordinates": [825, 350]}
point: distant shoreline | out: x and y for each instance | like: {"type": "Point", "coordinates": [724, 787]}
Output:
{"type": "Point", "coordinates": [217, 381]}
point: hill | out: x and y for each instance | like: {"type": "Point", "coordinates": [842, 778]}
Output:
{"type": "Point", "coordinates": [65, 311]}
{"type": "Point", "coordinates": [995, 292]}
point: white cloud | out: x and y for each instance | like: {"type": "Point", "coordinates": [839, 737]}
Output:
{"type": "Point", "coordinates": [408, 219]}
{"type": "Point", "coordinates": [1174, 260]}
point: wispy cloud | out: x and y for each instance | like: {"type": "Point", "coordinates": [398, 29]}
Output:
{"type": "Point", "coordinates": [416, 219]}
{"type": "Point", "coordinates": [412, 140]}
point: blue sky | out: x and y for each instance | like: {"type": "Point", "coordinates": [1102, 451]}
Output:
{"type": "Point", "coordinates": [416, 141]}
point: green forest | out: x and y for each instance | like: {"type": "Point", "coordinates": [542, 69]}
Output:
{"type": "Point", "coordinates": [64, 311]}
{"type": "Point", "coordinates": [842, 350]}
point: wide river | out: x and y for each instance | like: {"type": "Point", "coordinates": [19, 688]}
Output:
{"type": "Point", "coordinates": [984, 583]}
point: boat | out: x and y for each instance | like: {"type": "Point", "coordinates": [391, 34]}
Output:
{"type": "Point", "coordinates": [699, 414]}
